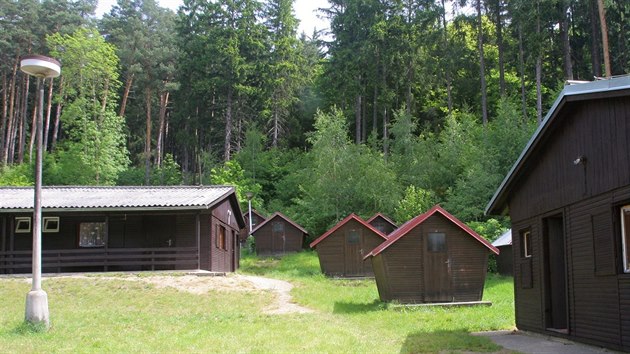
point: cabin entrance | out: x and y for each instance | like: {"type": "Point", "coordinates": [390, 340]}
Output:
{"type": "Point", "coordinates": [278, 239]}
{"type": "Point", "coordinates": [353, 258]}
{"type": "Point", "coordinates": [555, 290]}
{"type": "Point", "coordinates": [437, 275]}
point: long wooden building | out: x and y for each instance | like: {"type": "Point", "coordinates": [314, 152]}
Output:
{"type": "Point", "coordinates": [122, 229]}
{"type": "Point", "coordinates": [568, 196]}
{"type": "Point", "coordinates": [433, 257]}
{"type": "Point", "coordinates": [342, 248]}
{"type": "Point", "coordinates": [278, 235]}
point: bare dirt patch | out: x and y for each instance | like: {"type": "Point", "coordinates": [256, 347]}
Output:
{"type": "Point", "coordinates": [199, 285]}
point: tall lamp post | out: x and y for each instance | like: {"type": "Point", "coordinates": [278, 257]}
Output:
{"type": "Point", "coordinates": [249, 196]}
{"type": "Point", "coordinates": [37, 300]}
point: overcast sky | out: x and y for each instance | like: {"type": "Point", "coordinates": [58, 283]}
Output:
{"type": "Point", "coordinates": [305, 11]}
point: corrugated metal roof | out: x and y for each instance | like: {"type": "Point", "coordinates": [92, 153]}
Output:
{"type": "Point", "coordinates": [113, 198]}
{"type": "Point", "coordinates": [571, 92]}
{"type": "Point", "coordinates": [504, 240]}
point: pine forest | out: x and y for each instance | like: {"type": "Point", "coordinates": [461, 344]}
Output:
{"type": "Point", "coordinates": [399, 105]}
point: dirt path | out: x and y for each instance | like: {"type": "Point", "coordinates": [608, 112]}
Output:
{"type": "Point", "coordinates": [201, 284]}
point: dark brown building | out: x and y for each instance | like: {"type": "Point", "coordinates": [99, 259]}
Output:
{"type": "Point", "coordinates": [568, 196]}
{"type": "Point", "coordinates": [433, 257]}
{"type": "Point", "coordinates": [278, 235]}
{"type": "Point", "coordinates": [341, 249]}
{"type": "Point", "coordinates": [257, 218]}
{"type": "Point", "coordinates": [122, 228]}
{"type": "Point", "coordinates": [382, 223]}
{"type": "Point", "coordinates": [504, 258]}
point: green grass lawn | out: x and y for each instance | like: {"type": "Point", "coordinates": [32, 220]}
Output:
{"type": "Point", "coordinates": [103, 315]}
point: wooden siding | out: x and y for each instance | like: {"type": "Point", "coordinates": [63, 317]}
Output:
{"type": "Point", "coordinates": [383, 225]}
{"type": "Point", "coordinates": [504, 261]}
{"type": "Point", "coordinates": [266, 246]}
{"type": "Point", "coordinates": [403, 269]}
{"type": "Point", "coordinates": [332, 258]}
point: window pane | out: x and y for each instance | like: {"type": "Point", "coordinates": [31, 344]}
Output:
{"type": "Point", "coordinates": [625, 234]}
{"type": "Point", "coordinates": [51, 224]}
{"type": "Point", "coordinates": [22, 225]}
{"type": "Point", "coordinates": [353, 237]}
{"type": "Point", "coordinates": [436, 242]}
{"type": "Point", "coordinates": [278, 227]}
{"type": "Point", "coordinates": [92, 234]}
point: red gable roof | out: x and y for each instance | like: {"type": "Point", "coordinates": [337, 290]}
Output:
{"type": "Point", "coordinates": [343, 222]}
{"type": "Point", "coordinates": [411, 224]}
{"type": "Point", "coordinates": [383, 217]}
{"type": "Point", "coordinates": [282, 216]}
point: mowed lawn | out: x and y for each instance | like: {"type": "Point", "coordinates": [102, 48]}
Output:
{"type": "Point", "coordinates": [103, 315]}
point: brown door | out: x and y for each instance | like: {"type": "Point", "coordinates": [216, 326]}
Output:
{"type": "Point", "coordinates": [278, 238]}
{"type": "Point", "coordinates": [437, 275]}
{"type": "Point", "coordinates": [556, 304]}
{"type": "Point", "coordinates": [352, 253]}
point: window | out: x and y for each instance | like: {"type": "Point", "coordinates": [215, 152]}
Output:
{"type": "Point", "coordinates": [526, 244]}
{"type": "Point", "coordinates": [436, 242]}
{"type": "Point", "coordinates": [51, 224]}
{"type": "Point", "coordinates": [625, 237]}
{"type": "Point", "coordinates": [353, 237]}
{"type": "Point", "coordinates": [278, 227]}
{"type": "Point", "coordinates": [220, 238]}
{"type": "Point", "coordinates": [92, 234]}
{"type": "Point", "coordinates": [22, 225]}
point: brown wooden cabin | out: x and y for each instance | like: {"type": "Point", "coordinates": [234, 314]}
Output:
{"type": "Point", "coordinates": [341, 249]}
{"type": "Point", "coordinates": [122, 229]}
{"type": "Point", "coordinates": [568, 196]}
{"type": "Point", "coordinates": [504, 258]}
{"type": "Point", "coordinates": [257, 218]}
{"type": "Point", "coordinates": [278, 235]}
{"type": "Point", "coordinates": [433, 257]}
{"type": "Point", "coordinates": [382, 223]}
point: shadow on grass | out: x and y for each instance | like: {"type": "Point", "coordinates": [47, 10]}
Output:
{"type": "Point", "coordinates": [351, 307]}
{"type": "Point", "coordinates": [447, 341]}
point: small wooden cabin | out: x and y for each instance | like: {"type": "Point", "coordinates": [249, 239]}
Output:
{"type": "Point", "coordinates": [382, 223]}
{"type": "Point", "coordinates": [433, 257]}
{"type": "Point", "coordinates": [504, 258]}
{"type": "Point", "coordinates": [278, 235]}
{"type": "Point", "coordinates": [568, 196]}
{"type": "Point", "coordinates": [341, 249]}
{"type": "Point", "coordinates": [122, 229]}
{"type": "Point", "coordinates": [257, 218]}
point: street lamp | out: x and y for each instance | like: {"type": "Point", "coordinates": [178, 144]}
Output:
{"type": "Point", "coordinates": [37, 300]}
{"type": "Point", "coordinates": [249, 196]}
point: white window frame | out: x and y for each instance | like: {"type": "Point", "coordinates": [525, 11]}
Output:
{"type": "Point", "coordinates": [19, 220]}
{"type": "Point", "coordinates": [624, 241]}
{"type": "Point", "coordinates": [526, 235]}
{"type": "Point", "coordinates": [46, 224]}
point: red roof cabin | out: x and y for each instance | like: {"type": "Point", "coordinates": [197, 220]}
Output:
{"type": "Point", "coordinates": [382, 223]}
{"type": "Point", "coordinates": [278, 235]}
{"type": "Point", "coordinates": [341, 249]}
{"type": "Point", "coordinates": [433, 257]}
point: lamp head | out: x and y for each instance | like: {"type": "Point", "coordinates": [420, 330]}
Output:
{"type": "Point", "coordinates": [40, 66]}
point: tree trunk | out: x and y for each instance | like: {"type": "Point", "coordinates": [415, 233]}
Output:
{"type": "Point", "coordinates": [482, 68]}
{"type": "Point", "coordinates": [9, 129]}
{"type": "Point", "coordinates": [447, 59]}
{"type": "Point", "coordinates": [147, 141]}
{"type": "Point", "coordinates": [604, 30]}
{"type": "Point", "coordinates": [123, 103]}
{"type": "Point", "coordinates": [595, 58]}
{"type": "Point", "coordinates": [566, 44]}
{"type": "Point", "coordinates": [31, 141]}
{"type": "Point", "coordinates": [22, 128]}
{"type": "Point", "coordinates": [357, 119]}
{"type": "Point", "coordinates": [227, 144]}
{"type": "Point", "coordinates": [48, 111]}
{"type": "Point", "coordinates": [164, 97]}
{"type": "Point", "coordinates": [276, 127]}
{"type": "Point", "coordinates": [53, 143]}
{"type": "Point", "coordinates": [538, 73]}
{"type": "Point", "coordinates": [499, 34]}
{"type": "Point", "coordinates": [521, 64]}
{"type": "Point", "coordinates": [3, 118]}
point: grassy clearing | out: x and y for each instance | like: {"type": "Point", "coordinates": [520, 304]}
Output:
{"type": "Point", "coordinates": [104, 315]}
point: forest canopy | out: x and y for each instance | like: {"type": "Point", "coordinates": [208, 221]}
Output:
{"type": "Point", "coordinates": [399, 106]}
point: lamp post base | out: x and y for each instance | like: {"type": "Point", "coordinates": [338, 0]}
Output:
{"type": "Point", "coordinates": [37, 308]}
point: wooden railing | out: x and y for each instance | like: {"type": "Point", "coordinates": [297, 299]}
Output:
{"type": "Point", "coordinates": [72, 260]}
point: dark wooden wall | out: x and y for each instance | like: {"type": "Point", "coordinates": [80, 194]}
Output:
{"type": "Point", "coordinates": [504, 261]}
{"type": "Point", "coordinates": [588, 196]}
{"type": "Point", "coordinates": [294, 239]}
{"type": "Point", "coordinates": [400, 269]}
{"type": "Point", "coordinates": [383, 225]}
{"type": "Point", "coordinates": [214, 258]}
{"type": "Point", "coordinates": [332, 254]}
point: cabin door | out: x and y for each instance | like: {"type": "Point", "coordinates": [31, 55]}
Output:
{"type": "Point", "coordinates": [555, 290]}
{"type": "Point", "coordinates": [353, 257]}
{"type": "Point", "coordinates": [278, 239]}
{"type": "Point", "coordinates": [437, 275]}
